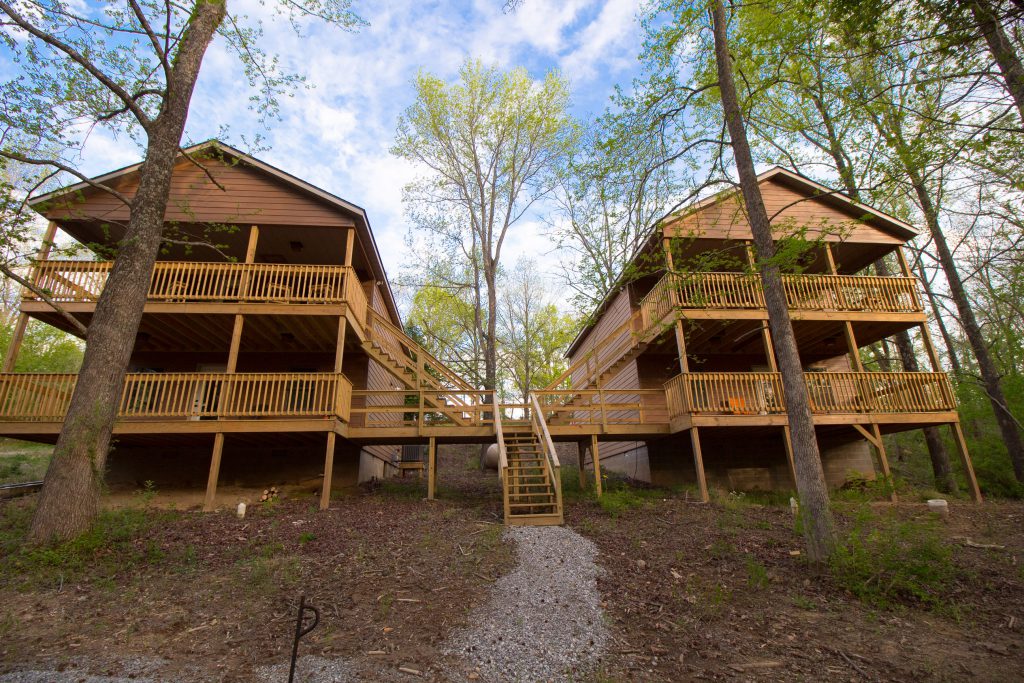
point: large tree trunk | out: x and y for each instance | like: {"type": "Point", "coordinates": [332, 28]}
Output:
{"type": "Point", "coordinates": [989, 373]}
{"type": "Point", "coordinates": [1002, 49]}
{"type": "Point", "coordinates": [71, 490]}
{"type": "Point", "coordinates": [819, 528]}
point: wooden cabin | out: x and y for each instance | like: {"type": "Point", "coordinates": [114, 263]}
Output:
{"type": "Point", "coordinates": [271, 350]}
{"type": "Point", "coordinates": [269, 325]}
{"type": "Point", "coordinates": [686, 339]}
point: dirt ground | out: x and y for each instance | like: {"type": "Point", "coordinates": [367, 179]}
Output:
{"type": "Point", "coordinates": [691, 591]}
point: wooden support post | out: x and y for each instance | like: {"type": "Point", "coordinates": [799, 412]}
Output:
{"type": "Point", "coordinates": [698, 464]}
{"type": "Point", "coordinates": [884, 462]}
{"type": "Point", "coordinates": [225, 392]}
{"type": "Point", "coordinates": [965, 460]}
{"type": "Point", "coordinates": [581, 458]}
{"type": "Point", "coordinates": [431, 468]}
{"type": "Point", "coordinates": [325, 492]}
{"type": "Point", "coordinates": [350, 241]}
{"type": "Point", "coordinates": [14, 348]}
{"type": "Point", "coordinates": [680, 336]}
{"type": "Point", "coordinates": [339, 349]}
{"type": "Point", "coordinates": [211, 482]}
{"type": "Point", "coordinates": [595, 455]}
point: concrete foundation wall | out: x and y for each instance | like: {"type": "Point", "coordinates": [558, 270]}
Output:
{"type": "Point", "coordinates": [740, 464]}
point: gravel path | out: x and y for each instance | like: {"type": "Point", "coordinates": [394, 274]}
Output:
{"type": "Point", "coordinates": [542, 621]}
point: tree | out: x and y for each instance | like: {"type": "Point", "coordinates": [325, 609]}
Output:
{"type": "Point", "coordinates": [487, 145]}
{"type": "Point", "coordinates": [819, 529]}
{"type": "Point", "coordinates": [603, 211]}
{"type": "Point", "coordinates": [802, 117]}
{"type": "Point", "coordinates": [131, 69]}
{"type": "Point", "coordinates": [690, 104]}
{"type": "Point", "coordinates": [534, 334]}
{"type": "Point", "coordinates": [904, 116]}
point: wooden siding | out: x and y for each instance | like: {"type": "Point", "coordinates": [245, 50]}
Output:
{"type": "Point", "coordinates": [378, 378]}
{"type": "Point", "coordinates": [726, 220]}
{"type": "Point", "coordinates": [617, 312]}
{"type": "Point", "coordinates": [249, 196]}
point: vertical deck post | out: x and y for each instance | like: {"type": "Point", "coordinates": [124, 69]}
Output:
{"type": "Point", "coordinates": [595, 455]}
{"type": "Point", "coordinates": [211, 482]}
{"type": "Point", "coordinates": [698, 464]}
{"type": "Point", "coordinates": [965, 459]}
{"type": "Point", "coordinates": [230, 367]}
{"type": "Point", "coordinates": [581, 455]}
{"type": "Point", "coordinates": [325, 491]}
{"type": "Point", "coordinates": [431, 468]}
{"type": "Point", "coordinates": [14, 348]}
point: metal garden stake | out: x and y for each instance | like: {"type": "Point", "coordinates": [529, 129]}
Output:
{"type": "Point", "coordinates": [301, 631]}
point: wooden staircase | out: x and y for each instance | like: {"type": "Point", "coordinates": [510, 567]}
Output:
{"type": "Point", "coordinates": [530, 472]}
{"type": "Point", "coordinates": [418, 370]}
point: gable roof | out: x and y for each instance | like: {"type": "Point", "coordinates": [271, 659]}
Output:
{"type": "Point", "coordinates": [362, 221]}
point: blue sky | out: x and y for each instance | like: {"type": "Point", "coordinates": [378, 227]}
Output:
{"type": "Point", "coordinates": [337, 134]}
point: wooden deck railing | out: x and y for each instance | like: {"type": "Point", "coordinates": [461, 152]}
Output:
{"type": "Point", "coordinates": [186, 282]}
{"type": "Point", "coordinates": [392, 408]}
{"type": "Point", "coordinates": [760, 393]}
{"type": "Point", "coordinates": [603, 407]}
{"type": "Point", "coordinates": [803, 292]}
{"type": "Point", "coordinates": [188, 396]}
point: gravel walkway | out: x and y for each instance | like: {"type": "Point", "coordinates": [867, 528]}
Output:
{"type": "Point", "coordinates": [542, 621]}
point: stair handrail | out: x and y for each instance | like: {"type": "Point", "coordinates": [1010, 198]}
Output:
{"type": "Point", "coordinates": [373, 317]}
{"type": "Point", "coordinates": [502, 455]}
{"type": "Point", "coordinates": [632, 339]}
{"type": "Point", "coordinates": [547, 446]}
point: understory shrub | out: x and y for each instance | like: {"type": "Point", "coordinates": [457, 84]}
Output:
{"type": "Point", "coordinates": [888, 562]}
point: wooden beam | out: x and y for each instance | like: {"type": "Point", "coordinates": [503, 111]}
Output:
{"type": "Point", "coordinates": [684, 365]}
{"type": "Point", "coordinates": [339, 349]}
{"type": "Point", "coordinates": [325, 492]}
{"type": "Point", "coordinates": [250, 250]}
{"type": "Point", "coordinates": [595, 455]}
{"type": "Point", "coordinates": [866, 434]}
{"type": "Point", "coordinates": [236, 342]}
{"type": "Point", "coordinates": [698, 464]}
{"type": "Point", "coordinates": [211, 482]}
{"type": "Point", "coordinates": [431, 467]}
{"type": "Point", "coordinates": [350, 238]}
{"type": "Point", "coordinates": [965, 460]}
{"type": "Point", "coordinates": [14, 348]}
{"type": "Point", "coordinates": [581, 459]}
{"type": "Point", "coordinates": [884, 461]}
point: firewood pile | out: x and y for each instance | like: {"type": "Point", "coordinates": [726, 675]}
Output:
{"type": "Point", "coordinates": [269, 495]}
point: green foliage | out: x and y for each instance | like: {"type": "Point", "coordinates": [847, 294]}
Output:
{"type": "Point", "coordinates": [757, 574]}
{"type": "Point", "coordinates": [887, 562]}
{"type": "Point", "coordinates": [114, 546]}
{"type": "Point", "coordinates": [619, 495]}
{"type": "Point", "coordinates": [44, 349]}
{"type": "Point", "coordinates": [988, 451]}
{"type": "Point", "coordinates": [23, 461]}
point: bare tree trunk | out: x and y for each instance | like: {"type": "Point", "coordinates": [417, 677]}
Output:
{"type": "Point", "coordinates": [989, 372]}
{"type": "Point", "coordinates": [819, 528]}
{"type": "Point", "coordinates": [71, 491]}
{"type": "Point", "coordinates": [1002, 49]}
